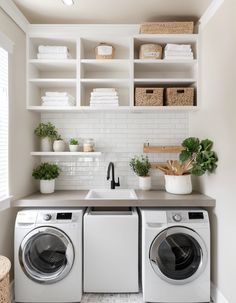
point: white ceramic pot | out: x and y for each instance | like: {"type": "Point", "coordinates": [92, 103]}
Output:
{"type": "Point", "coordinates": [179, 185]}
{"type": "Point", "coordinates": [73, 148]}
{"type": "Point", "coordinates": [46, 144]}
{"type": "Point", "coordinates": [145, 183]}
{"type": "Point", "coordinates": [47, 186]}
{"type": "Point", "coordinates": [59, 146]}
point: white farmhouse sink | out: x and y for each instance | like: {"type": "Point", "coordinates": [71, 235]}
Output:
{"type": "Point", "coordinates": [111, 194]}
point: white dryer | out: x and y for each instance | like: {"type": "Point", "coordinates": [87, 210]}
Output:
{"type": "Point", "coordinates": [48, 255]}
{"type": "Point", "coordinates": [175, 255]}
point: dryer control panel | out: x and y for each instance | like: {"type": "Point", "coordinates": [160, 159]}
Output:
{"type": "Point", "coordinates": [187, 216]}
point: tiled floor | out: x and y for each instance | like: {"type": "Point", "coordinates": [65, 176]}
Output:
{"type": "Point", "coordinates": [112, 298]}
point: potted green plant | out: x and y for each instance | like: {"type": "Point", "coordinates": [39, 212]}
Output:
{"type": "Point", "coordinates": [141, 166]}
{"type": "Point", "coordinates": [73, 145]}
{"type": "Point", "coordinates": [58, 144]}
{"type": "Point", "coordinates": [46, 173]}
{"type": "Point", "coordinates": [47, 133]}
{"type": "Point", "coordinates": [196, 158]}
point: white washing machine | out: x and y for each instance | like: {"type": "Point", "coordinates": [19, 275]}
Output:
{"type": "Point", "coordinates": [48, 255]}
{"type": "Point", "coordinates": [175, 255]}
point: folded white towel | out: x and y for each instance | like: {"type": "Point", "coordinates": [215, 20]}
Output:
{"type": "Point", "coordinates": [53, 56]}
{"type": "Point", "coordinates": [103, 102]}
{"type": "Point", "coordinates": [104, 90]}
{"type": "Point", "coordinates": [46, 49]}
{"type": "Point", "coordinates": [56, 94]}
{"type": "Point", "coordinates": [101, 94]}
{"type": "Point", "coordinates": [55, 98]}
{"type": "Point", "coordinates": [178, 47]}
{"type": "Point", "coordinates": [178, 58]}
{"type": "Point", "coordinates": [104, 98]}
{"type": "Point", "coordinates": [104, 105]}
{"type": "Point", "coordinates": [174, 53]}
{"type": "Point", "coordinates": [64, 103]}
{"type": "Point", "coordinates": [52, 101]}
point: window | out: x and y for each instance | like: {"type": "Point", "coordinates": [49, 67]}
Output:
{"type": "Point", "coordinates": [4, 128]}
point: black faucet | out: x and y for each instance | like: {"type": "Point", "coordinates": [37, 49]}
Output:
{"type": "Point", "coordinates": [112, 168]}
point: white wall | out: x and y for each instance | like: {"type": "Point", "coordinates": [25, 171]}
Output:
{"type": "Point", "coordinates": [217, 120]}
{"type": "Point", "coordinates": [119, 136]}
{"type": "Point", "coordinates": [22, 123]}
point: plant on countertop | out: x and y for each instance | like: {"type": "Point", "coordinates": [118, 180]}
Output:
{"type": "Point", "coordinates": [46, 130]}
{"type": "Point", "coordinates": [46, 171]}
{"type": "Point", "coordinates": [196, 159]}
{"type": "Point", "coordinates": [73, 141]}
{"type": "Point", "coordinates": [140, 165]}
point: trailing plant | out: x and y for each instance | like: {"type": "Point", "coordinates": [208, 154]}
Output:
{"type": "Point", "coordinates": [73, 141]}
{"type": "Point", "coordinates": [46, 130]}
{"type": "Point", "coordinates": [46, 171]}
{"type": "Point", "coordinates": [140, 165]}
{"type": "Point", "coordinates": [196, 159]}
{"type": "Point", "coordinates": [58, 137]}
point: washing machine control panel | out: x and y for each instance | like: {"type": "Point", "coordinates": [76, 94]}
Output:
{"type": "Point", "coordinates": [177, 217]}
{"type": "Point", "coordinates": [47, 217]}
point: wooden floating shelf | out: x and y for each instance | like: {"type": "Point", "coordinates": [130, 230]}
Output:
{"type": "Point", "coordinates": [67, 153]}
{"type": "Point", "coordinates": [154, 165]}
{"type": "Point", "coordinates": [162, 149]}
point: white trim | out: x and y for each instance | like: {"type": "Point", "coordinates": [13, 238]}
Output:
{"type": "Point", "coordinates": [5, 203]}
{"type": "Point", "coordinates": [216, 295]}
{"type": "Point", "coordinates": [15, 14]}
{"type": "Point", "coordinates": [209, 13]}
{"type": "Point", "coordinates": [6, 43]}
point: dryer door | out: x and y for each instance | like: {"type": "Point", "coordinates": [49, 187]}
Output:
{"type": "Point", "coordinates": [178, 255]}
{"type": "Point", "coordinates": [46, 255]}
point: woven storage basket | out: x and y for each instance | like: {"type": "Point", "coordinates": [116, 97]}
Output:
{"type": "Point", "coordinates": [179, 96]}
{"type": "Point", "coordinates": [5, 266]}
{"type": "Point", "coordinates": [151, 96]}
{"type": "Point", "coordinates": [150, 51]}
{"type": "Point", "coordinates": [105, 51]}
{"type": "Point", "coordinates": [167, 28]}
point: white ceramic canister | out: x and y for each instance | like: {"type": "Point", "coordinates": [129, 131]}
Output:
{"type": "Point", "coordinates": [59, 146]}
{"type": "Point", "coordinates": [46, 144]}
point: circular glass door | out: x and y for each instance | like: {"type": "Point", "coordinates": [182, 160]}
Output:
{"type": "Point", "coordinates": [46, 255]}
{"type": "Point", "coordinates": [178, 255]}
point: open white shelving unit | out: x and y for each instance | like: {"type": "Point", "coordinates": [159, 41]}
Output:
{"type": "Point", "coordinates": [82, 72]}
{"type": "Point", "coordinates": [53, 154]}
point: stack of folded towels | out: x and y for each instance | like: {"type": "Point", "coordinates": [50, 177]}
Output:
{"type": "Point", "coordinates": [53, 52]}
{"type": "Point", "coordinates": [57, 99]}
{"type": "Point", "coordinates": [178, 51]}
{"type": "Point", "coordinates": [104, 97]}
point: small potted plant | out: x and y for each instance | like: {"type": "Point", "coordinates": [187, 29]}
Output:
{"type": "Point", "coordinates": [47, 132]}
{"type": "Point", "coordinates": [46, 173]}
{"type": "Point", "coordinates": [73, 145]}
{"type": "Point", "coordinates": [58, 144]}
{"type": "Point", "coordinates": [141, 166]}
{"type": "Point", "coordinates": [196, 159]}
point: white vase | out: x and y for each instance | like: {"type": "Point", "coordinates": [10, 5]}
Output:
{"type": "Point", "coordinates": [179, 185]}
{"type": "Point", "coordinates": [145, 183]}
{"type": "Point", "coordinates": [46, 144]}
{"type": "Point", "coordinates": [47, 186]}
{"type": "Point", "coordinates": [73, 148]}
{"type": "Point", "coordinates": [59, 146]}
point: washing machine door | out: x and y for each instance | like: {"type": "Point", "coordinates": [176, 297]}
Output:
{"type": "Point", "coordinates": [178, 255]}
{"type": "Point", "coordinates": [46, 255]}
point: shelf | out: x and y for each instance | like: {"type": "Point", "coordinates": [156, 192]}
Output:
{"type": "Point", "coordinates": [172, 81]}
{"type": "Point", "coordinates": [54, 65]}
{"type": "Point", "coordinates": [117, 81]}
{"type": "Point", "coordinates": [104, 61]}
{"type": "Point", "coordinates": [165, 61]}
{"type": "Point", "coordinates": [79, 154]}
{"type": "Point", "coordinates": [43, 83]}
{"type": "Point", "coordinates": [167, 38]}
{"type": "Point", "coordinates": [162, 149]}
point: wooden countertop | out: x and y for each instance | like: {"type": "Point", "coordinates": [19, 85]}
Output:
{"type": "Point", "coordinates": [76, 198]}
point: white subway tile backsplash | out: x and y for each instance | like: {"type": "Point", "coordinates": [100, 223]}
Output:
{"type": "Point", "coordinates": [119, 136]}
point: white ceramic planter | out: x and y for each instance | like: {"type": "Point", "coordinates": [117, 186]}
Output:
{"type": "Point", "coordinates": [145, 183]}
{"type": "Point", "coordinates": [46, 144]}
{"type": "Point", "coordinates": [47, 186]}
{"type": "Point", "coordinates": [73, 148]}
{"type": "Point", "coordinates": [59, 146]}
{"type": "Point", "coordinates": [179, 185]}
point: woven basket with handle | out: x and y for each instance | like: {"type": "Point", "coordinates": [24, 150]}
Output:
{"type": "Point", "coordinates": [5, 266]}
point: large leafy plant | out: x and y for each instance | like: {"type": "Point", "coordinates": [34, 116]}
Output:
{"type": "Point", "coordinates": [198, 156]}
{"type": "Point", "coordinates": [46, 171]}
{"type": "Point", "coordinates": [46, 130]}
{"type": "Point", "coordinates": [140, 165]}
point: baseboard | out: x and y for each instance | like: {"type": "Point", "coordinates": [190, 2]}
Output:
{"type": "Point", "coordinates": [216, 295]}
